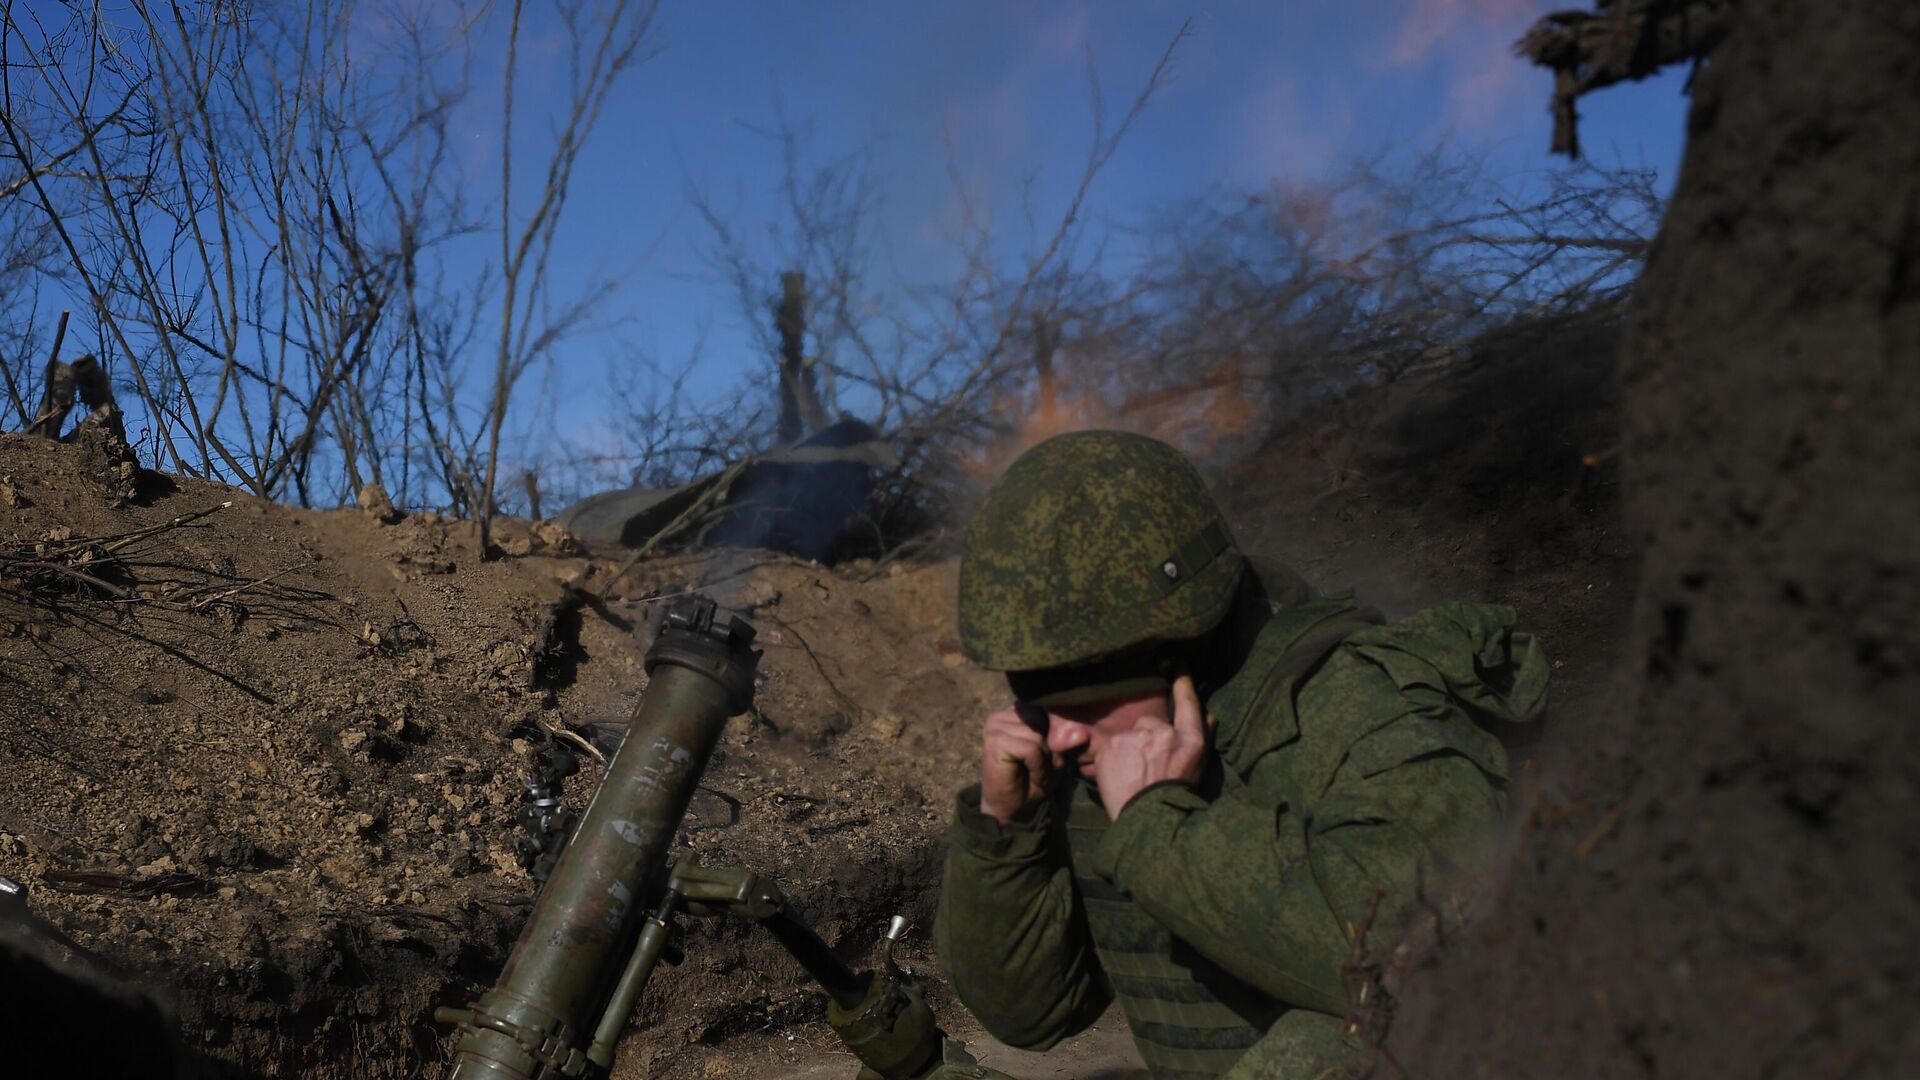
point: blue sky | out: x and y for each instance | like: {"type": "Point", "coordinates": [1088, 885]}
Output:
{"type": "Point", "coordinates": [997, 93]}
{"type": "Point", "coordinates": [1259, 91]}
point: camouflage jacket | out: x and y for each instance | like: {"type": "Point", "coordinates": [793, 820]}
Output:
{"type": "Point", "coordinates": [1359, 761]}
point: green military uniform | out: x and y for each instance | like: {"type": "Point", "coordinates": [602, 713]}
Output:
{"type": "Point", "coordinates": [1358, 766]}
{"type": "Point", "coordinates": [1357, 758]}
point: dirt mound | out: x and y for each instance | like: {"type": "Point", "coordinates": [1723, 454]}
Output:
{"type": "Point", "coordinates": [1491, 478]}
{"type": "Point", "coordinates": [268, 758]}
{"type": "Point", "coordinates": [1738, 897]}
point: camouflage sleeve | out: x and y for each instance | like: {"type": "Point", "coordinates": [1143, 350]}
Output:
{"type": "Point", "coordinates": [1010, 931]}
{"type": "Point", "coordinates": [1273, 887]}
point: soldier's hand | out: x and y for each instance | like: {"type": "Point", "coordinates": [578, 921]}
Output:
{"type": "Point", "coordinates": [1155, 751]}
{"type": "Point", "coordinates": [1016, 768]}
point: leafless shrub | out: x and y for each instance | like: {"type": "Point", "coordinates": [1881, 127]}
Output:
{"type": "Point", "coordinates": [257, 203]}
{"type": "Point", "coordinates": [931, 367]}
{"type": "Point", "coordinates": [240, 213]}
{"type": "Point", "coordinates": [1238, 312]}
{"type": "Point", "coordinates": [1248, 312]}
{"type": "Point", "coordinates": [1306, 291]}
{"type": "Point", "coordinates": [263, 241]}
{"type": "Point", "coordinates": [603, 40]}
{"type": "Point", "coordinates": [807, 296]}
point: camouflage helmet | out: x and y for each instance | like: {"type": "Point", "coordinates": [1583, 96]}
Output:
{"type": "Point", "coordinates": [1093, 544]}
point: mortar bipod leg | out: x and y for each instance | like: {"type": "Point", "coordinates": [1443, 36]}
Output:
{"type": "Point", "coordinates": [647, 952]}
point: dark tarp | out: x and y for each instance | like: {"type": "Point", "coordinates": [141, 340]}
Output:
{"type": "Point", "coordinates": [804, 499]}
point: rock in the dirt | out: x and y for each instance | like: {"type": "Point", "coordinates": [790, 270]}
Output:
{"type": "Point", "coordinates": [886, 727]}
{"type": "Point", "coordinates": [543, 537]}
{"type": "Point", "coordinates": [377, 505]}
{"type": "Point", "coordinates": [10, 496]}
{"type": "Point", "coordinates": [411, 564]}
{"type": "Point", "coordinates": [554, 538]}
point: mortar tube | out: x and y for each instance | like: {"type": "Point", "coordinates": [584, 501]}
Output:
{"type": "Point", "coordinates": [550, 997]}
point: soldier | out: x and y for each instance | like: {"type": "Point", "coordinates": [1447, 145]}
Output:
{"type": "Point", "coordinates": [1212, 774]}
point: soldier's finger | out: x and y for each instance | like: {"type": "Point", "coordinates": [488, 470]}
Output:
{"type": "Point", "coordinates": [1019, 770]}
{"type": "Point", "coordinates": [1008, 726]}
{"type": "Point", "coordinates": [1037, 765]}
{"type": "Point", "coordinates": [1025, 755]}
{"type": "Point", "coordinates": [1187, 720]}
{"type": "Point", "coordinates": [1028, 752]}
{"type": "Point", "coordinates": [1021, 756]}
